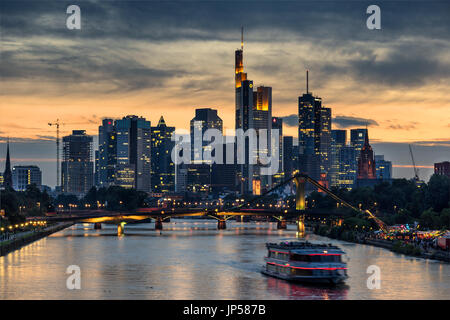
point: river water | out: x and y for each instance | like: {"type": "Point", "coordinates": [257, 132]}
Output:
{"type": "Point", "coordinates": [191, 259]}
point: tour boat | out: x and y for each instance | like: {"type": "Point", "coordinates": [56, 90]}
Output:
{"type": "Point", "coordinates": [304, 261]}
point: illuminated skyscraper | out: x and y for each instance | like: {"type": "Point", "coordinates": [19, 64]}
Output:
{"type": "Point", "coordinates": [77, 167]}
{"type": "Point", "coordinates": [357, 138]}
{"type": "Point", "coordinates": [163, 168]}
{"type": "Point", "coordinates": [107, 153]}
{"type": "Point", "coordinates": [205, 118]}
{"type": "Point", "coordinates": [133, 152]}
{"type": "Point", "coordinates": [277, 124]}
{"type": "Point", "coordinates": [314, 135]}
{"type": "Point", "coordinates": [338, 140]}
{"type": "Point", "coordinates": [347, 167]}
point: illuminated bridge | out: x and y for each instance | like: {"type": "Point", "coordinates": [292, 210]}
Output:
{"type": "Point", "coordinates": [220, 214]}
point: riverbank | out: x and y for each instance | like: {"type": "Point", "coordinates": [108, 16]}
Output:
{"type": "Point", "coordinates": [394, 246]}
{"type": "Point", "coordinates": [19, 240]}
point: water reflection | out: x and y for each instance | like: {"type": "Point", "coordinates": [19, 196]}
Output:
{"type": "Point", "coordinates": [191, 259]}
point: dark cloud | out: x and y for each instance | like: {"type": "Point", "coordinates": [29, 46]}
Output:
{"type": "Point", "coordinates": [89, 55]}
{"type": "Point", "coordinates": [338, 121]}
{"type": "Point", "coordinates": [347, 122]}
{"type": "Point", "coordinates": [408, 126]}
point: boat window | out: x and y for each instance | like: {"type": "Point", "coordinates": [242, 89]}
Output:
{"type": "Point", "coordinates": [326, 258]}
{"type": "Point", "coordinates": [300, 257]}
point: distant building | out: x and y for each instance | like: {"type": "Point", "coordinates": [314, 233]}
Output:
{"type": "Point", "coordinates": [288, 156]}
{"type": "Point", "coordinates": [442, 168]}
{"type": "Point", "coordinates": [383, 168]}
{"type": "Point", "coordinates": [1, 179]}
{"type": "Point", "coordinates": [366, 175]}
{"type": "Point", "coordinates": [357, 139]}
{"type": "Point", "coordinates": [134, 151]}
{"type": "Point", "coordinates": [198, 178]}
{"type": "Point", "coordinates": [163, 168]}
{"type": "Point", "coordinates": [314, 136]}
{"type": "Point", "coordinates": [107, 153]}
{"type": "Point", "coordinates": [338, 141]}
{"type": "Point", "coordinates": [346, 175]}
{"type": "Point", "coordinates": [277, 124]}
{"type": "Point", "coordinates": [77, 165]}
{"type": "Point", "coordinates": [223, 176]}
{"type": "Point", "coordinates": [23, 176]}
{"type": "Point", "coordinates": [205, 118]}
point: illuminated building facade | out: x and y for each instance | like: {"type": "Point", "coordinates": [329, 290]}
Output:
{"type": "Point", "coordinates": [253, 111]}
{"type": "Point", "coordinates": [383, 168]}
{"type": "Point", "coordinates": [163, 168]}
{"type": "Point", "coordinates": [23, 176]}
{"type": "Point", "coordinates": [346, 174]}
{"type": "Point", "coordinates": [442, 168]}
{"type": "Point", "coordinates": [205, 118]}
{"type": "Point", "coordinates": [134, 150]}
{"type": "Point", "coordinates": [314, 136]}
{"type": "Point", "coordinates": [357, 139]}
{"type": "Point", "coordinates": [107, 153]}
{"type": "Point", "coordinates": [277, 124]}
{"type": "Point", "coordinates": [77, 167]}
{"type": "Point", "coordinates": [338, 140]}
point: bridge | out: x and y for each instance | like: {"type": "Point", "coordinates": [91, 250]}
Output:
{"type": "Point", "coordinates": [219, 213]}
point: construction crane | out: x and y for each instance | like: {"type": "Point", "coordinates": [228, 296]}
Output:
{"type": "Point", "coordinates": [57, 124]}
{"type": "Point", "coordinates": [416, 171]}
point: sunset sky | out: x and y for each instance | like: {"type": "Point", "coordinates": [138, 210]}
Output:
{"type": "Point", "coordinates": [153, 58]}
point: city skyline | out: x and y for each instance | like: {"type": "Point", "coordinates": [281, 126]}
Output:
{"type": "Point", "coordinates": [380, 98]}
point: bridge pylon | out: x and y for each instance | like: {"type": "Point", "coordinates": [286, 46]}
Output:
{"type": "Point", "coordinates": [281, 224]}
{"type": "Point", "coordinates": [158, 224]}
{"type": "Point", "coordinates": [97, 226]}
{"type": "Point", "coordinates": [221, 224]}
{"type": "Point", "coordinates": [300, 203]}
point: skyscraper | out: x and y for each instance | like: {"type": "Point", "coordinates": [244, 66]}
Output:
{"type": "Point", "coordinates": [205, 118]}
{"type": "Point", "coordinates": [357, 138]}
{"type": "Point", "coordinates": [277, 124]}
{"type": "Point", "coordinates": [133, 152]}
{"type": "Point", "coordinates": [77, 165]}
{"type": "Point", "coordinates": [23, 176]}
{"type": "Point", "coordinates": [288, 156]}
{"type": "Point", "coordinates": [347, 167]}
{"type": "Point", "coordinates": [107, 153]}
{"type": "Point", "coordinates": [7, 175]}
{"type": "Point", "coordinates": [338, 140]}
{"type": "Point", "coordinates": [314, 135]}
{"type": "Point", "coordinates": [163, 168]}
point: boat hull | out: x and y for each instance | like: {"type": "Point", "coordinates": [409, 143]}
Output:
{"type": "Point", "coordinates": [321, 279]}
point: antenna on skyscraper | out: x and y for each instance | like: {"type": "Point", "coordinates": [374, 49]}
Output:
{"type": "Point", "coordinates": [242, 37]}
{"type": "Point", "coordinates": [307, 81]}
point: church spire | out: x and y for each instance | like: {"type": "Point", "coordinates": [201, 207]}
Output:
{"type": "Point", "coordinates": [7, 176]}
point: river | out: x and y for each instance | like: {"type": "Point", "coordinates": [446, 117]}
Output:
{"type": "Point", "coordinates": [191, 259]}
